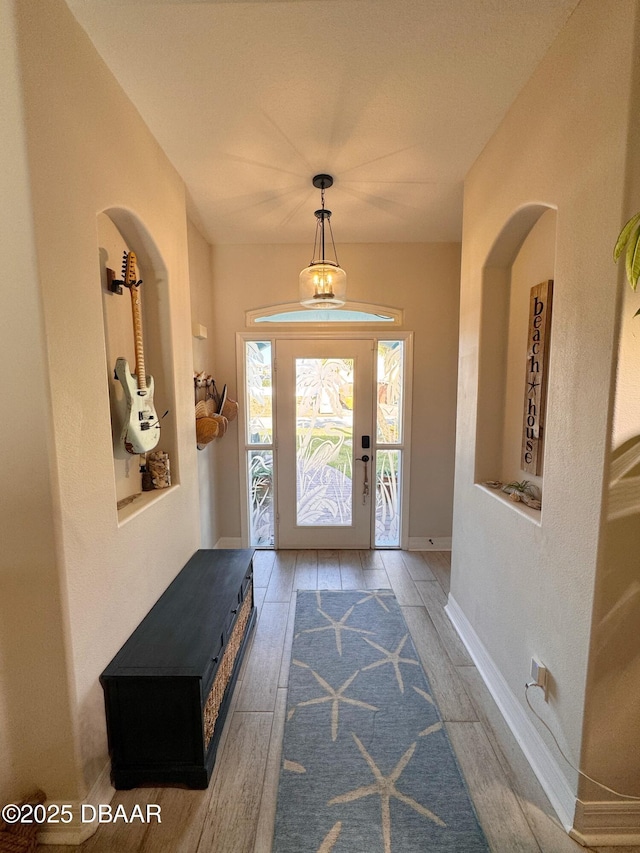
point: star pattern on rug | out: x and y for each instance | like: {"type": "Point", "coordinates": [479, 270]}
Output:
{"type": "Point", "coordinates": [424, 695]}
{"type": "Point", "coordinates": [335, 625]}
{"type": "Point", "coordinates": [330, 839]}
{"type": "Point", "coordinates": [436, 726]}
{"type": "Point", "coordinates": [333, 695]}
{"type": "Point", "coordinates": [393, 658]}
{"type": "Point", "coordinates": [385, 788]}
{"type": "Point", "coordinates": [377, 595]}
{"type": "Point", "coordinates": [363, 750]}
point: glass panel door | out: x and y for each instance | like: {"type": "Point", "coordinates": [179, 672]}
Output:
{"type": "Point", "coordinates": [259, 442]}
{"type": "Point", "coordinates": [324, 405]}
{"type": "Point", "coordinates": [324, 441]}
{"type": "Point", "coordinates": [389, 442]}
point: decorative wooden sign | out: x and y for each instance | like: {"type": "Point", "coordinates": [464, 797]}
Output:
{"type": "Point", "coordinates": [535, 394]}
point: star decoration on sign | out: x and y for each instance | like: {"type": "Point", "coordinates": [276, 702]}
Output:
{"type": "Point", "coordinates": [333, 695]}
{"type": "Point", "coordinates": [393, 658]}
{"type": "Point", "coordinates": [385, 788]}
{"type": "Point", "coordinates": [376, 595]}
{"type": "Point", "coordinates": [338, 626]}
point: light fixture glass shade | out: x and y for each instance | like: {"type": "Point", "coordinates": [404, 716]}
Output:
{"type": "Point", "coordinates": [323, 285]}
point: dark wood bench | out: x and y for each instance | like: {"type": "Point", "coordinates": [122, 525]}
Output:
{"type": "Point", "coordinates": [168, 689]}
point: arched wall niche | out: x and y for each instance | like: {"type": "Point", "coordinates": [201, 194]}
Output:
{"type": "Point", "coordinates": [120, 230]}
{"type": "Point", "coordinates": [523, 255]}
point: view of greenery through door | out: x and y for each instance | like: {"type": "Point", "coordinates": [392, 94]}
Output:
{"type": "Point", "coordinates": [324, 409]}
{"type": "Point", "coordinates": [324, 441]}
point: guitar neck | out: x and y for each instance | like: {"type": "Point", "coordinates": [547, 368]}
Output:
{"type": "Point", "coordinates": [141, 374]}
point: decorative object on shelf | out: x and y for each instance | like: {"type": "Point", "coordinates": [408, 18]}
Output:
{"type": "Point", "coordinates": [523, 492]}
{"type": "Point", "coordinates": [141, 429]}
{"type": "Point", "coordinates": [494, 484]}
{"type": "Point", "coordinates": [146, 478]}
{"type": "Point", "coordinates": [323, 284]}
{"type": "Point", "coordinates": [121, 505]}
{"type": "Point", "coordinates": [160, 469]}
{"type": "Point", "coordinates": [535, 394]}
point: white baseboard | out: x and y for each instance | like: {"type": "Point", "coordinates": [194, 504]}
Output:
{"type": "Point", "coordinates": [429, 543]}
{"type": "Point", "coordinates": [415, 543]}
{"type": "Point", "coordinates": [77, 831]}
{"type": "Point", "coordinates": [589, 823]}
{"type": "Point", "coordinates": [229, 542]}
{"type": "Point", "coordinates": [607, 824]}
{"type": "Point", "coordinates": [542, 762]}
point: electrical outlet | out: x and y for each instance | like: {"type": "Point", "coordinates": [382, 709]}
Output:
{"type": "Point", "coordinates": [539, 674]}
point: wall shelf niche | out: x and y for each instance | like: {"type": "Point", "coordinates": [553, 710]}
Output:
{"type": "Point", "coordinates": [523, 256]}
{"type": "Point", "coordinates": [120, 231]}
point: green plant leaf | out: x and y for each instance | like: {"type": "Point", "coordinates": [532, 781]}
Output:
{"type": "Point", "coordinates": [632, 261]}
{"type": "Point", "coordinates": [623, 238]}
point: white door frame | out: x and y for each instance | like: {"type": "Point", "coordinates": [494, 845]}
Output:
{"type": "Point", "coordinates": [386, 334]}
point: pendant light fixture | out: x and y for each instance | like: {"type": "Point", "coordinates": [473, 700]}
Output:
{"type": "Point", "coordinates": [323, 284]}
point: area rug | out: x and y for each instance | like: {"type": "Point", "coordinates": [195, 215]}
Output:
{"type": "Point", "coordinates": [367, 766]}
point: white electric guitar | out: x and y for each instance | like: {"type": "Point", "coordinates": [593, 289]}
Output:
{"type": "Point", "coordinates": [141, 428]}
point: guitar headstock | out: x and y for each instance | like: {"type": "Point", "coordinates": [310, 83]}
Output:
{"type": "Point", "coordinates": [129, 274]}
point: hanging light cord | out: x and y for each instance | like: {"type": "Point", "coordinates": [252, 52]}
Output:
{"type": "Point", "coordinates": [322, 220]}
{"type": "Point", "coordinates": [335, 253]}
{"type": "Point", "coordinates": [555, 740]}
{"type": "Point", "coordinates": [320, 228]}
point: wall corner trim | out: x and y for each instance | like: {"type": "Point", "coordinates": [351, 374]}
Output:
{"type": "Point", "coordinates": [79, 829]}
{"type": "Point", "coordinates": [536, 751]}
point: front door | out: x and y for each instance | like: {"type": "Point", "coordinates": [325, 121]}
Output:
{"type": "Point", "coordinates": [324, 413]}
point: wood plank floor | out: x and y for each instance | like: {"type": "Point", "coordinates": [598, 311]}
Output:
{"type": "Point", "coordinates": [236, 813]}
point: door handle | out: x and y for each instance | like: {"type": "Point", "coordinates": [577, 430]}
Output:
{"type": "Point", "coordinates": [365, 483]}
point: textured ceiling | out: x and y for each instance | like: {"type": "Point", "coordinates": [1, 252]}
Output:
{"type": "Point", "coordinates": [394, 98]}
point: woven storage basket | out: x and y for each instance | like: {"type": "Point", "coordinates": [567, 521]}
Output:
{"type": "Point", "coordinates": [225, 669]}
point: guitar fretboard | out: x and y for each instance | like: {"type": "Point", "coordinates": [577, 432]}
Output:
{"type": "Point", "coordinates": [141, 374]}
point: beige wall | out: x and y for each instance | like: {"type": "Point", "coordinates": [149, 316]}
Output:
{"type": "Point", "coordinates": [614, 666]}
{"type": "Point", "coordinates": [202, 313]}
{"type": "Point", "coordinates": [93, 576]}
{"type": "Point", "coordinates": [423, 280]}
{"type": "Point", "coordinates": [32, 662]}
{"type": "Point", "coordinates": [528, 588]}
